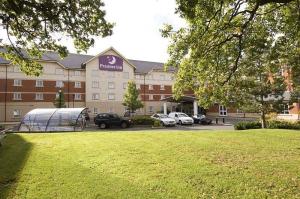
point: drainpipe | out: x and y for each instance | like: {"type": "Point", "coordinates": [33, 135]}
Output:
{"type": "Point", "coordinates": [144, 93]}
{"type": "Point", "coordinates": [68, 88]}
{"type": "Point", "coordinates": [5, 93]}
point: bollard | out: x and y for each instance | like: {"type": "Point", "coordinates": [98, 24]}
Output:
{"type": "Point", "coordinates": [216, 120]}
{"type": "Point", "coordinates": [223, 119]}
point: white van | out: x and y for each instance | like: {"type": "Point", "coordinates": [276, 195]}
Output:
{"type": "Point", "coordinates": [181, 118]}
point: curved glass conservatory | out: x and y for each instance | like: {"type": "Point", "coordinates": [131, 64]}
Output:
{"type": "Point", "coordinates": [54, 119]}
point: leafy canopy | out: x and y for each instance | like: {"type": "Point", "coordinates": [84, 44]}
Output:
{"type": "Point", "coordinates": [131, 100]}
{"type": "Point", "coordinates": [228, 44]}
{"type": "Point", "coordinates": [35, 26]}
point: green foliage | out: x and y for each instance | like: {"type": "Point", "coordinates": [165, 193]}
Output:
{"type": "Point", "coordinates": [282, 124]}
{"type": "Point", "coordinates": [247, 125]}
{"type": "Point", "coordinates": [1, 126]}
{"type": "Point", "coordinates": [32, 26]}
{"type": "Point", "coordinates": [232, 51]}
{"type": "Point", "coordinates": [142, 120]}
{"type": "Point", "coordinates": [157, 123]}
{"type": "Point", "coordinates": [131, 98]}
{"type": "Point", "coordinates": [59, 101]}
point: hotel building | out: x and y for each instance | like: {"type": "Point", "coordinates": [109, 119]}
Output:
{"type": "Point", "coordinates": [98, 83]}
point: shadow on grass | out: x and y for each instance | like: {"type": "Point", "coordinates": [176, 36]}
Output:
{"type": "Point", "coordinates": [13, 155]}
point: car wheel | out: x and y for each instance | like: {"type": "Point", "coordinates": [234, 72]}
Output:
{"type": "Point", "coordinates": [102, 125]}
{"type": "Point", "coordinates": [124, 125]}
{"type": "Point", "coordinates": [180, 122]}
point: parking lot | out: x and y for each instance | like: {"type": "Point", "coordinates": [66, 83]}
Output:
{"type": "Point", "coordinates": [193, 127]}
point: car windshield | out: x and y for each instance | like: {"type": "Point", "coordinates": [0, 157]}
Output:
{"type": "Point", "coordinates": [182, 115]}
{"type": "Point", "coordinates": [163, 116]}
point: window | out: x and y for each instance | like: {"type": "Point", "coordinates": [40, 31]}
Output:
{"type": "Point", "coordinates": [150, 87]}
{"type": "Point", "coordinates": [162, 77]}
{"type": "Point", "coordinates": [17, 82]}
{"type": "Point", "coordinates": [39, 83]}
{"type": "Point", "coordinates": [16, 113]}
{"type": "Point", "coordinates": [138, 77]}
{"type": "Point", "coordinates": [39, 96]}
{"type": "Point", "coordinates": [162, 97]}
{"type": "Point", "coordinates": [285, 109]}
{"type": "Point", "coordinates": [59, 83]}
{"type": "Point", "coordinates": [59, 71]}
{"type": "Point", "coordinates": [77, 73]}
{"type": "Point", "coordinates": [162, 87]}
{"type": "Point", "coordinates": [138, 86]}
{"type": "Point", "coordinates": [77, 96]}
{"type": "Point", "coordinates": [150, 109]}
{"type": "Point", "coordinates": [111, 74]}
{"type": "Point", "coordinates": [77, 84]}
{"type": "Point", "coordinates": [95, 96]}
{"type": "Point", "coordinates": [150, 97]}
{"type": "Point", "coordinates": [95, 73]}
{"type": "Point", "coordinates": [222, 110]}
{"type": "Point", "coordinates": [149, 77]}
{"type": "Point", "coordinates": [126, 75]}
{"type": "Point", "coordinates": [95, 84]}
{"type": "Point", "coordinates": [169, 77]}
{"type": "Point", "coordinates": [124, 85]}
{"type": "Point", "coordinates": [111, 85]}
{"type": "Point", "coordinates": [110, 110]}
{"type": "Point", "coordinates": [17, 69]}
{"type": "Point", "coordinates": [17, 96]}
{"type": "Point", "coordinates": [95, 110]}
{"type": "Point", "coordinates": [111, 96]}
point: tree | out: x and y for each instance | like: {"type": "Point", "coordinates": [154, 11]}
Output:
{"type": "Point", "coordinates": [59, 101]}
{"type": "Point", "coordinates": [131, 100]}
{"type": "Point", "coordinates": [228, 40]}
{"type": "Point", "coordinates": [32, 27]}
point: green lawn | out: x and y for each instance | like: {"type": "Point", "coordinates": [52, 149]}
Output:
{"type": "Point", "coordinates": [215, 164]}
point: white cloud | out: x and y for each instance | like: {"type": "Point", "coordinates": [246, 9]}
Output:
{"type": "Point", "coordinates": [136, 33]}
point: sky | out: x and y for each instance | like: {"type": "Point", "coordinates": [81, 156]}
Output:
{"type": "Point", "coordinates": [136, 32]}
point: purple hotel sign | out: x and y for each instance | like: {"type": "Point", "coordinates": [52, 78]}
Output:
{"type": "Point", "coordinates": [110, 63]}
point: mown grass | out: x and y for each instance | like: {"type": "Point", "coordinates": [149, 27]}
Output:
{"type": "Point", "coordinates": [215, 164]}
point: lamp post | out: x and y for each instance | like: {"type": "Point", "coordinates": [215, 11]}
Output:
{"type": "Point", "coordinates": [59, 97]}
{"type": "Point", "coordinates": [73, 99]}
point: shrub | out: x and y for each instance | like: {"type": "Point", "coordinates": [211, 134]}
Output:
{"type": "Point", "coordinates": [1, 127]}
{"type": "Point", "coordinates": [156, 123]}
{"type": "Point", "coordinates": [142, 120]}
{"type": "Point", "coordinates": [282, 124]}
{"type": "Point", "coordinates": [247, 125]}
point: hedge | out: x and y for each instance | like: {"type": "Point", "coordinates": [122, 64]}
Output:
{"type": "Point", "coordinates": [142, 120]}
{"type": "Point", "coordinates": [271, 124]}
{"type": "Point", "coordinates": [280, 124]}
{"type": "Point", "coordinates": [247, 125]}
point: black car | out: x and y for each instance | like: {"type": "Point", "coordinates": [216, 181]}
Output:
{"type": "Point", "coordinates": [201, 119]}
{"type": "Point", "coordinates": [105, 120]}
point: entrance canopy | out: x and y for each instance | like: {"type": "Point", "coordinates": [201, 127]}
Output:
{"type": "Point", "coordinates": [54, 119]}
{"type": "Point", "coordinates": [180, 100]}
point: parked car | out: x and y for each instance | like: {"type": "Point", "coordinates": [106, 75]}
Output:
{"type": "Point", "coordinates": [165, 120]}
{"type": "Point", "coordinates": [181, 118]}
{"type": "Point", "coordinates": [201, 119]}
{"type": "Point", "coordinates": [105, 120]}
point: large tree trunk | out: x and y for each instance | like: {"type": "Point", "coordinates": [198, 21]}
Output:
{"type": "Point", "coordinates": [263, 120]}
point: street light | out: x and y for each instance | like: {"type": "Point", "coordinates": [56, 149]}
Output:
{"type": "Point", "coordinates": [59, 97]}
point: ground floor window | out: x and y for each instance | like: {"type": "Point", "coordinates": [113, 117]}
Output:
{"type": "Point", "coordinates": [16, 113]}
{"type": "Point", "coordinates": [285, 109]}
{"type": "Point", "coordinates": [77, 96]}
{"type": "Point", "coordinates": [95, 110]}
{"type": "Point", "coordinates": [222, 110]}
{"type": "Point", "coordinates": [151, 109]}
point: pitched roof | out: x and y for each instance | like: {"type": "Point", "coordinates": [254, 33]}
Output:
{"type": "Point", "coordinates": [74, 61]}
